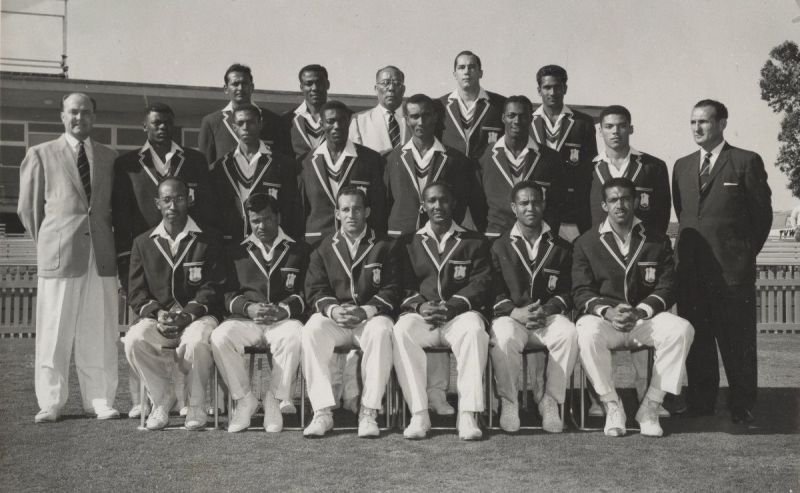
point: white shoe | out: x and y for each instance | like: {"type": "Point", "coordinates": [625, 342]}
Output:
{"type": "Point", "coordinates": [437, 401]}
{"type": "Point", "coordinates": [551, 420]}
{"type": "Point", "coordinates": [321, 424]}
{"type": "Point", "coordinates": [419, 426]}
{"type": "Point", "coordinates": [273, 419]}
{"type": "Point", "coordinates": [663, 413]}
{"type": "Point", "coordinates": [136, 411]}
{"type": "Point", "coordinates": [509, 416]}
{"type": "Point", "coordinates": [105, 411]}
{"type": "Point", "coordinates": [196, 418]}
{"type": "Point", "coordinates": [351, 404]}
{"type": "Point", "coordinates": [183, 411]}
{"type": "Point", "coordinates": [49, 415]}
{"type": "Point", "coordinates": [244, 410]}
{"type": "Point", "coordinates": [468, 426]}
{"type": "Point", "coordinates": [158, 419]}
{"type": "Point", "coordinates": [596, 410]}
{"type": "Point", "coordinates": [615, 419]}
{"type": "Point", "coordinates": [647, 417]}
{"type": "Point", "coordinates": [287, 407]}
{"type": "Point", "coordinates": [367, 424]}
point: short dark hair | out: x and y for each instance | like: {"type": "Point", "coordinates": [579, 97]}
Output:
{"type": "Point", "coordinates": [720, 111]}
{"type": "Point", "coordinates": [615, 109]}
{"type": "Point", "coordinates": [249, 107]}
{"type": "Point", "coordinates": [441, 184]}
{"type": "Point", "coordinates": [158, 107]}
{"type": "Point", "coordinates": [312, 68]}
{"type": "Point", "coordinates": [469, 53]}
{"type": "Point", "coordinates": [619, 182]}
{"type": "Point", "coordinates": [523, 100]}
{"type": "Point", "coordinates": [352, 190]}
{"type": "Point", "coordinates": [419, 99]}
{"type": "Point", "coordinates": [551, 71]}
{"type": "Point", "coordinates": [336, 105]}
{"type": "Point", "coordinates": [390, 67]}
{"type": "Point", "coordinates": [238, 67]}
{"type": "Point", "coordinates": [65, 96]}
{"type": "Point", "coordinates": [525, 185]}
{"type": "Point", "coordinates": [174, 180]}
{"type": "Point", "coordinates": [257, 202]}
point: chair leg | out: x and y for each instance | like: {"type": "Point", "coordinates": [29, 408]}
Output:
{"type": "Point", "coordinates": [142, 401]}
{"type": "Point", "coordinates": [216, 398]}
{"type": "Point", "coordinates": [490, 393]}
{"type": "Point", "coordinates": [525, 382]}
{"type": "Point", "coordinates": [302, 380]}
{"type": "Point", "coordinates": [583, 396]}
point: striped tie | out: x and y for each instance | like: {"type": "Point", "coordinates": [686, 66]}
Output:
{"type": "Point", "coordinates": [84, 171]}
{"type": "Point", "coordinates": [705, 172]}
{"type": "Point", "coordinates": [394, 130]}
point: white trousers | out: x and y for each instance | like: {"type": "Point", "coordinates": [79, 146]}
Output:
{"type": "Point", "coordinates": [465, 335]}
{"type": "Point", "coordinates": [143, 348]}
{"type": "Point", "coordinates": [321, 335]}
{"type": "Point", "coordinates": [283, 339]}
{"type": "Point", "coordinates": [80, 312]}
{"type": "Point", "coordinates": [511, 337]}
{"type": "Point", "coordinates": [670, 335]}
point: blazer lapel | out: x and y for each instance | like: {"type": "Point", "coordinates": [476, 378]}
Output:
{"type": "Point", "coordinates": [408, 157]}
{"type": "Point", "coordinates": [522, 252]}
{"type": "Point", "coordinates": [501, 161]}
{"type": "Point", "coordinates": [634, 167]}
{"type": "Point", "coordinates": [227, 122]}
{"type": "Point", "coordinates": [318, 162]}
{"type": "Point", "coordinates": [258, 259]}
{"type": "Point", "coordinates": [438, 163]}
{"type": "Point", "coordinates": [299, 125]}
{"type": "Point", "coordinates": [538, 129]}
{"type": "Point", "coordinates": [146, 161]}
{"type": "Point", "coordinates": [565, 127]}
{"type": "Point", "coordinates": [431, 249]}
{"type": "Point", "coordinates": [342, 253]}
{"type": "Point", "coordinates": [534, 157]}
{"type": "Point", "coordinates": [722, 160]}
{"type": "Point", "coordinates": [378, 121]}
{"type": "Point", "coordinates": [163, 246]}
{"type": "Point", "coordinates": [176, 163]}
{"type": "Point", "coordinates": [607, 239]}
{"type": "Point", "coordinates": [183, 248]}
{"type": "Point", "coordinates": [454, 113]}
{"type": "Point", "coordinates": [364, 248]}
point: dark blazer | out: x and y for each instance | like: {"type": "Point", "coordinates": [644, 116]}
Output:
{"type": "Point", "coordinates": [485, 130]}
{"type": "Point", "coordinates": [193, 279]}
{"type": "Point", "coordinates": [217, 137]}
{"type": "Point", "coordinates": [302, 143]}
{"type": "Point", "coordinates": [251, 279]}
{"type": "Point", "coordinates": [602, 276]}
{"type": "Point", "coordinates": [319, 203]}
{"type": "Point", "coordinates": [519, 280]}
{"type": "Point", "coordinates": [723, 228]}
{"type": "Point", "coordinates": [651, 178]}
{"type": "Point", "coordinates": [404, 196]}
{"type": "Point", "coordinates": [367, 279]}
{"type": "Point", "coordinates": [461, 276]}
{"type": "Point", "coordinates": [133, 207]}
{"type": "Point", "coordinates": [577, 149]}
{"type": "Point", "coordinates": [275, 175]}
{"type": "Point", "coordinates": [542, 167]}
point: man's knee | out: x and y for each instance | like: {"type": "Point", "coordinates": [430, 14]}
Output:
{"type": "Point", "coordinates": [589, 329]}
{"type": "Point", "coordinates": [312, 329]}
{"type": "Point", "coordinates": [138, 333]}
{"type": "Point", "coordinates": [564, 330]}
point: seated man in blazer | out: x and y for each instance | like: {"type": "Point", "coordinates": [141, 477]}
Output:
{"type": "Point", "coordinates": [176, 281]}
{"type": "Point", "coordinates": [531, 279]}
{"type": "Point", "coordinates": [351, 286]}
{"type": "Point", "coordinates": [446, 275]}
{"type": "Point", "coordinates": [265, 299]}
{"type": "Point", "coordinates": [383, 127]}
{"type": "Point", "coordinates": [623, 284]}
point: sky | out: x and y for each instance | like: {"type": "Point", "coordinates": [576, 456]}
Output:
{"type": "Point", "coordinates": [655, 57]}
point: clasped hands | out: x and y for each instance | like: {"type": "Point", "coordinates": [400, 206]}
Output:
{"type": "Point", "coordinates": [171, 323]}
{"type": "Point", "coordinates": [348, 316]}
{"type": "Point", "coordinates": [265, 313]}
{"type": "Point", "coordinates": [532, 316]}
{"type": "Point", "coordinates": [435, 313]}
{"type": "Point", "coordinates": [624, 317]}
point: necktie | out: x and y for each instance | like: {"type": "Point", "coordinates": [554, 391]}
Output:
{"type": "Point", "coordinates": [84, 171]}
{"type": "Point", "coordinates": [705, 171]}
{"type": "Point", "coordinates": [394, 130]}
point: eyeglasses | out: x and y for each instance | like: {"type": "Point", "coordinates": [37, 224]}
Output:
{"type": "Point", "coordinates": [387, 83]}
{"type": "Point", "coordinates": [180, 199]}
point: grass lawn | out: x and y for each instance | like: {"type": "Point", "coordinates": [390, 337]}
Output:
{"type": "Point", "coordinates": [700, 454]}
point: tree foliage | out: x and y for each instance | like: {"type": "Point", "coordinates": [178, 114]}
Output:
{"type": "Point", "coordinates": [780, 88]}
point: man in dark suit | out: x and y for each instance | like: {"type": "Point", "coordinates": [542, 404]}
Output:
{"type": "Point", "coordinates": [217, 135]}
{"type": "Point", "coordinates": [723, 203]}
{"type": "Point", "coordinates": [305, 128]}
{"type": "Point", "coordinates": [623, 285]}
{"type": "Point", "coordinates": [571, 134]}
{"type": "Point", "coordinates": [471, 116]}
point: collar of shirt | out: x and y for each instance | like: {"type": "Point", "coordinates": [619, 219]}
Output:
{"type": "Point", "coordinates": [468, 109]}
{"type": "Point", "coordinates": [161, 231]}
{"type": "Point", "coordinates": [349, 150]}
{"type": "Point", "coordinates": [398, 114]}
{"type": "Point", "coordinates": [229, 107]}
{"type": "Point", "coordinates": [612, 170]}
{"type": "Point", "coordinates": [714, 154]}
{"type": "Point", "coordinates": [424, 161]}
{"type": "Point", "coordinates": [533, 249]}
{"type": "Point", "coordinates": [427, 230]}
{"type": "Point", "coordinates": [302, 110]}
{"type": "Point", "coordinates": [352, 246]}
{"type": "Point", "coordinates": [248, 166]}
{"type": "Point", "coordinates": [565, 110]}
{"type": "Point", "coordinates": [268, 254]}
{"type": "Point", "coordinates": [87, 146]}
{"type": "Point", "coordinates": [624, 244]}
{"type": "Point", "coordinates": [161, 166]}
{"type": "Point", "coordinates": [516, 160]}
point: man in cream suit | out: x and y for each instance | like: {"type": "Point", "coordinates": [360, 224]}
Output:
{"type": "Point", "coordinates": [383, 127]}
{"type": "Point", "coordinates": [65, 204]}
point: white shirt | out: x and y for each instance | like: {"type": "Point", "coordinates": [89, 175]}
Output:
{"type": "Point", "coordinates": [468, 109]}
{"type": "Point", "coordinates": [302, 110]}
{"type": "Point", "coordinates": [352, 246]}
{"type": "Point", "coordinates": [161, 231]}
{"type": "Point", "coordinates": [424, 161]}
{"type": "Point", "coordinates": [428, 230]}
{"type": "Point", "coordinates": [87, 146]}
{"type": "Point", "coordinates": [613, 170]}
{"type": "Point", "coordinates": [533, 249]}
{"type": "Point", "coordinates": [398, 114]}
{"type": "Point", "coordinates": [624, 244]}
{"type": "Point", "coordinates": [269, 253]}
{"type": "Point", "coordinates": [714, 155]}
{"type": "Point", "coordinates": [248, 166]}
{"type": "Point", "coordinates": [552, 127]}
{"type": "Point", "coordinates": [161, 166]}
{"type": "Point", "coordinates": [516, 160]}
{"type": "Point", "coordinates": [349, 150]}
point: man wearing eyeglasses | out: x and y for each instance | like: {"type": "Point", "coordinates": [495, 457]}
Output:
{"type": "Point", "coordinates": [383, 127]}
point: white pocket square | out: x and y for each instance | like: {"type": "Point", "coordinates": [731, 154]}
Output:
{"type": "Point", "coordinates": [729, 184]}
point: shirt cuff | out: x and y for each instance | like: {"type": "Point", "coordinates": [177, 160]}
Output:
{"type": "Point", "coordinates": [329, 311]}
{"type": "Point", "coordinates": [647, 309]}
{"type": "Point", "coordinates": [370, 311]}
{"type": "Point", "coordinates": [286, 307]}
{"type": "Point", "coordinates": [600, 310]}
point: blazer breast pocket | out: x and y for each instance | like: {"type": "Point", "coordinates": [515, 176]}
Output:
{"type": "Point", "coordinates": [289, 278]}
{"type": "Point", "coordinates": [361, 185]}
{"type": "Point", "coordinates": [272, 189]}
{"type": "Point", "coordinates": [573, 153]}
{"type": "Point", "coordinates": [460, 270]}
{"type": "Point", "coordinates": [194, 272]}
{"type": "Point", "coordinates": [648, 272]}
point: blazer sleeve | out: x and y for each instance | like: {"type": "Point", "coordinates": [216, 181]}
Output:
{"type": "Point", "coordinates": [663, 204]}
{"type": "Point", "coordinates": [759, 202]}
{"type": "Point", "coordinates": [562, 297]}
{"type": "Point", "coordinates": [663, 295]}
{"type": "Point", "coordinates": [30, 206]}
{"type": "Point", "coordinates": [206, 140]}
{"type": "Point", "coordinates": [141, 301]}
{"type": "Point", "coordinates": [503, 306]}
{"type": "Point", "coordinates": [318, 289]}
{"type": "Point", "coordinates": [475, 294]}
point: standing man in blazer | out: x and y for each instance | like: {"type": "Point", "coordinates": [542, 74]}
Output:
{"type": "Point", "coordinates": [65, 204]}
{"type": "Point", "coordinates": [305, 128]}
{"type": "Point", "coordinates": [723, 203]}
{"type": "Point", "coordinates": [571, 134]}
{"type": "Point", "coordinates": [383, 127]}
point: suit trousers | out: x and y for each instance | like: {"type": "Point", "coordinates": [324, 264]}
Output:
{"type": "Point", "coordinates": [143, 348]}
{"type": "Point", "coordinates": [80, 312]}
{"type": "Point", "coordinates": [321, 335]}
{"type": "Point", "coordinates": [511, 337]}
{"type": "Point", "coordinates": [283, 339]}
{"type": "Point", "coordinates": [669, 334]}
{"type": "Point", "coordinates": [465, 335]}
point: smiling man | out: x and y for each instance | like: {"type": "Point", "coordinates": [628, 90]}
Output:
{"type": "Point", "coordinates": [383, 127]}
{"type": "Point", "coordinates": [306, 129]}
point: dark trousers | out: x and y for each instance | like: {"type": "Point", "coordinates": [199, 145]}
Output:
{"type": "Point", "coordinates": [723, 317]}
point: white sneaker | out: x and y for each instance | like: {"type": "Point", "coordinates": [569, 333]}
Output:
{"type": "Point", "coordinates": [196, 418]}
{"type": "Point", "coordinates": [104, 411]}
{"type": "Point", "coordinates": [647, 417]}
{"type": "Point", "coordinates": [288, 407]}
{"type": "Point", "coordinates": [158, 419]}
{"type": "Point", "coordinates": [615, 419]}
{"type": "Point", "coordinates": [183, 411]}
{"type": "Point", "coordinates": [509, 416]}
{"type": "Point", "coordinates": [244, 410]}
{"type": "Point", "coordinates": [551, 420]}
{"type": "Point", "coordinates": [437, 401]}
{"type": "Point", "coordinates": [136, 411]}
{"type": "Point", "coordinates": [273, 419]}
{"type": "Point", "coordinates": [49, 415]}
{"type": "Point", "coordinates": [351, 404]}
{"type": "Point", "coordinates": [468, 426]}
{"type": "Point", "coordinates": [321, 424]}
{"type": "Point", "coordinates": [367, 424]}
{"type": "Point", "coordinates": [419, 426]}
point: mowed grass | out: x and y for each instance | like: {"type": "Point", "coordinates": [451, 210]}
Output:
{"type": "Point", "coordinates": [708, 454]}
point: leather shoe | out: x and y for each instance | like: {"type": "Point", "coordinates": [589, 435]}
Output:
{"type": "Point", "coordinates": [437, 402]}
{"type": "Point", "coordinates": [741, 415]}
{"type": "Point", "coordinates": [46, 416]}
